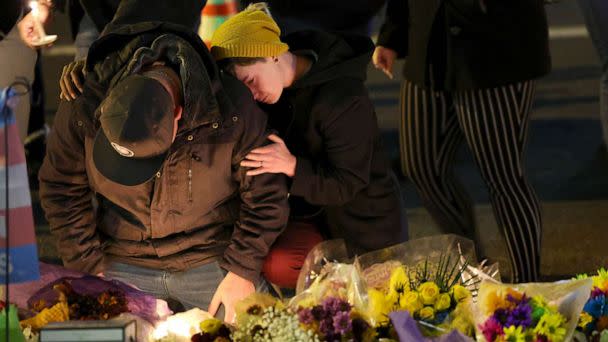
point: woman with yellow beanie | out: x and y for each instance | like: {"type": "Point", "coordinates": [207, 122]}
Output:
{"type": "Point", "coordinates": [311, 84]}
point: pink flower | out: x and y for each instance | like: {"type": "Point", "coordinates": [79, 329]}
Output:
{"type": "Point", "coordinates": [491, 329]}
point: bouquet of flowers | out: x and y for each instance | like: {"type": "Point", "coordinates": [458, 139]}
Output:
{"type": "Point", "coordinates": [72, 305]}
{"type": "Point", "coordinates": [593, 322]}
{"type": "Point", "coordinates": [378, 266]}
{"type": "Point", "coordinates": [334, 304]}
{"type": "Point", "coordinates": [101, 306]}
{"type": "Point", "coordinates": [433, 294]}
{"type": "Point", "coordinates": [394, 279]}
{"type": "Point", "coordinates": [530, 312]}
{"type": "Point", "coordinates": [337, 280]}
{"type": "Point", "coordinates": [517, 317]}
{"type": "Point", "coordinates": [260, 317]}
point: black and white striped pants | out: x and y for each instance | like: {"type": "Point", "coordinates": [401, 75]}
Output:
{"type": "Point", "coordinates": [494, 123]}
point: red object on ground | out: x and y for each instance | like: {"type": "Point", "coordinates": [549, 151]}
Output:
{"type": "Point", "coordinates": [287, 255]}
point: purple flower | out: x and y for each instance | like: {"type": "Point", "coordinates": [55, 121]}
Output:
{"type": "Point", "coordinates": [491, 329]}
{"type": "Point", "coordinates": [523, 300]}
{"type": "Point", "coordinates": [318, 312]}
{"type": "Point", "coordinates": [326, 326]}
{"type": "Point", "coordinates": [342, 323]}
{"type": "Point", "coordinates": [305, 316]}
{"type": "Point", "coordinates": [596, 292]}
{"type": "Point", "coordinates": [344, 306]}
{"type": "Point", "coordinates": [501, 315]}
{"type": "Point", "coordinates": [329, 304]}
{"type": "Point", "coordinates": [333, 305]}
{"type": "Point", "coordinates": [520, 316]}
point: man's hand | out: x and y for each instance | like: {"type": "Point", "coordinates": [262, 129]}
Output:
{"type": "Point", "coordinates": [274, 158]}
{"type": "Point", "coordinates": [231, 290]}
{"type": "Point", "coordinates": [72, 79]}
{"type": "Point", "coordinates": [383, 59]}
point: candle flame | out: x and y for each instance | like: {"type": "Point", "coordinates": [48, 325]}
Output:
{"type": "Point", "coordinates": [34, 7]}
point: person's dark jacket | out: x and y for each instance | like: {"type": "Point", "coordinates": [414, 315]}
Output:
{"type": "Point", "coordinates": [329, 123]}
{"type": "Point", "coordinates": [102, 12]}
{"type": "Point", "coordinates": [200, 207]}
{"type": "Point", "coordinates": [351, 16]}
{"type": "Point", "coordinates": [476, 44]}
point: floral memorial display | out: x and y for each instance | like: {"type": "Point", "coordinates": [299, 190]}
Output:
{"type": "Point", "coordinates": [421, 290]}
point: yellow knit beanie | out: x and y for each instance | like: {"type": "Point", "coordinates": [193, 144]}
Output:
{"type": "Point", "coordinates": [250, 33]}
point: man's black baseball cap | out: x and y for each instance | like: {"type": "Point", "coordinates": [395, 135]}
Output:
{"type": "Point", "coordinates": [137, 119]}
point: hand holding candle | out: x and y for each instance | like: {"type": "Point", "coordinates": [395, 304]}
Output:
{"type": "Point", "coordinates": [31, 26]}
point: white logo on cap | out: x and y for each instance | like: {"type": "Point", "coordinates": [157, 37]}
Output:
{"type": "Point", "coordinates": [123, 151]}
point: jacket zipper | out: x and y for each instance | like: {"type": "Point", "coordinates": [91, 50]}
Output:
{"type": "Point", "coordinates": [190, 180]}
{"type": "Point", "coordinates": [193, 157]}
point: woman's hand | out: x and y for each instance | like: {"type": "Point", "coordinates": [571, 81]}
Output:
{"type": "Point", "coordinates": [383, 59]}
{"type": "Point", "coordinates": [274, 158]}
{"type": "Point", "coordinates": [72, 80]}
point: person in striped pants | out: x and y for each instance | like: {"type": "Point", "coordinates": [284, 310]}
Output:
{"type": "Point", "coordinates": [470, 76]}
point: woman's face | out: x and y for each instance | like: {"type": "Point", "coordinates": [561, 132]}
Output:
{"type": "Point", "coordinates": [264, 79]}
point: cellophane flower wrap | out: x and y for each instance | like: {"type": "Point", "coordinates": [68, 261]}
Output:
{"type": "Point", "coordinates": [429, 278]}
{"type": "Point", "coordinates": [546, 312]}
{"type": "Point", "coordinates": [432, 293]}
{"type": "Point", "coordinates": [394, 275]}
{"type": "Point", "coordinates": [593, 321]}
{"type": "Point", "coordinates": [377, 266]}
{"type": "Point", "coordinates": [334, 306]}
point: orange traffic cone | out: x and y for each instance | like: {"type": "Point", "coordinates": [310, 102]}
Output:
{"type": "Point", "coordinates": [213, 15]}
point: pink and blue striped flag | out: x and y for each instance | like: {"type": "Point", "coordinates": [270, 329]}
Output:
{"type": "Point", "coordinates": [17, 236]}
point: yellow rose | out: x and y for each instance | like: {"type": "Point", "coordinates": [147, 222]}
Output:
{"type": "Point", "coordinates": [460, 292]}
{"type": "Point", "coordinates": [427, 313]}
{"type": "Point", "coordinates": [443, 302]}
{"type": "Point", "coordinates": [411, 302]}
{"type": "Point", "coordinates": [429, 292]}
